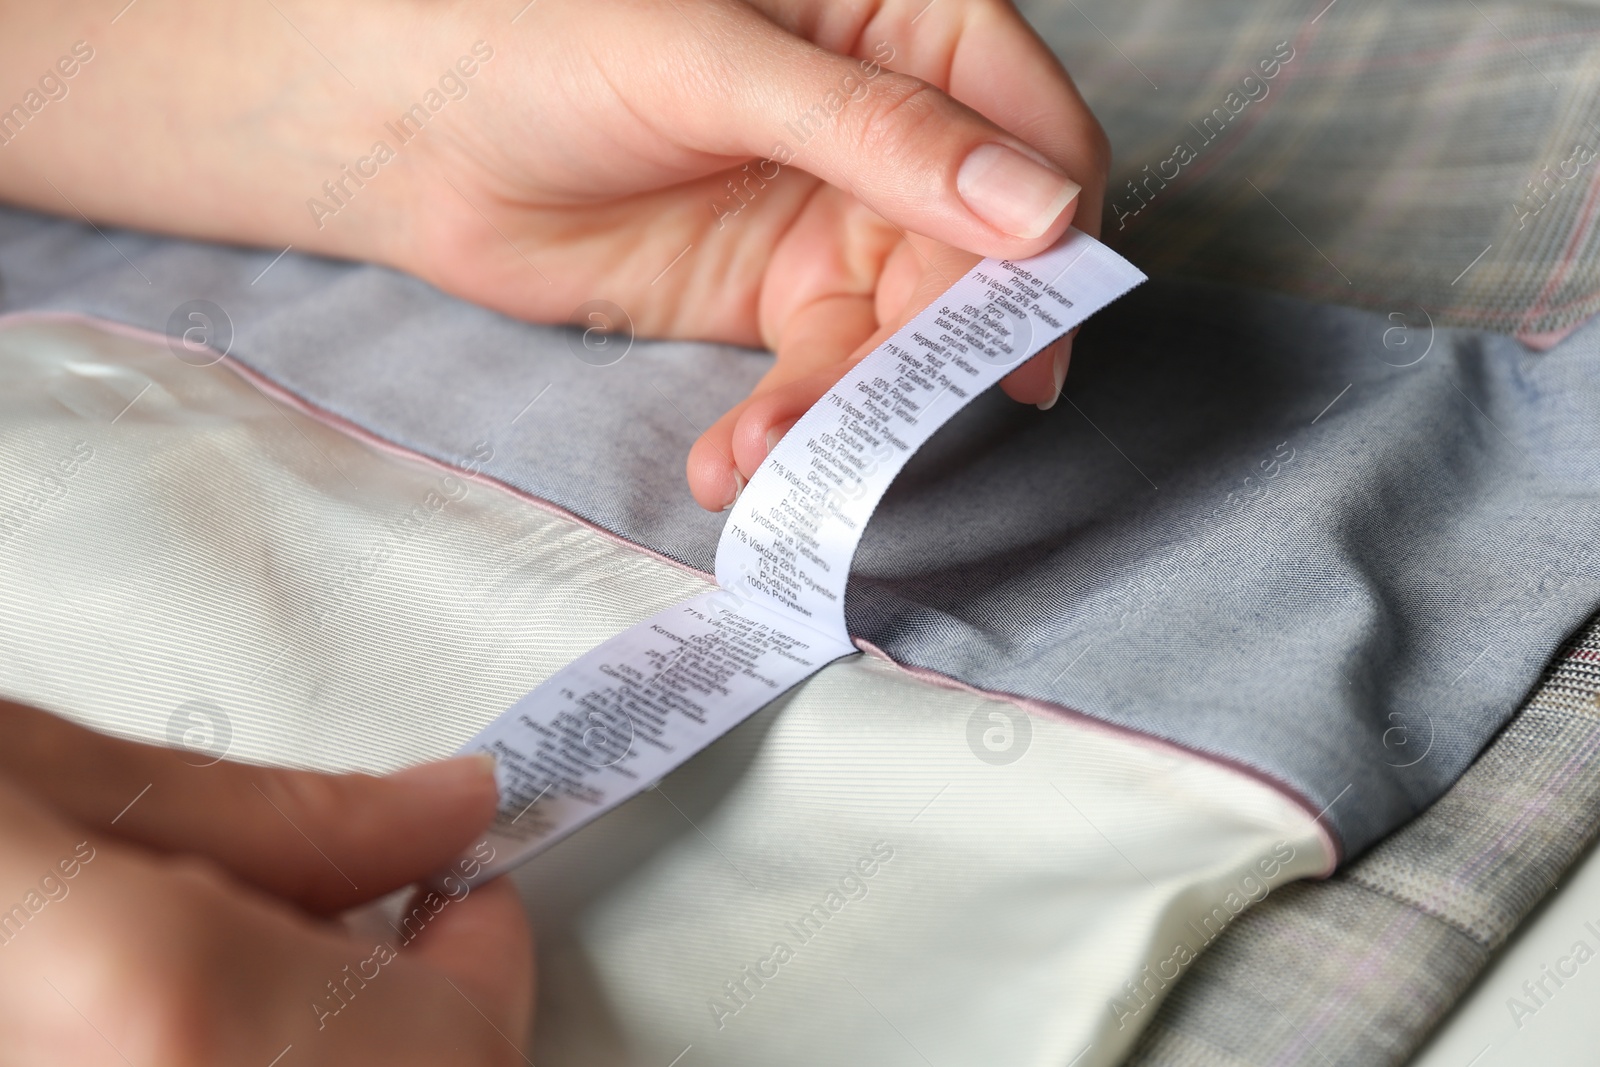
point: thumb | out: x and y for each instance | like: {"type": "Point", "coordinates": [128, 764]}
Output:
{"type": "Point", "coordinates": [325, 842]}
{"type": "Point", "coordinates": [480, 939]}
{"type": "Point", "coordinates": [913, 154]}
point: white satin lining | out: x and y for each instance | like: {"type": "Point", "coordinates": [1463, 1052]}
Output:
{"type": "Point", "coordinates": [178, 543]}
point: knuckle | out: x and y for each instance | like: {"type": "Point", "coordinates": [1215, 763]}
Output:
{"type": "Point", "coordinates": [309, 800]}
{"type": "Point", "coordinates": [178, 1000]}
{"type": "Point", "coordinates": [197, 883]}
{"type": "Point", "coordinates": [892, 114]}
{"type": "Point", "coordinates": [178, 1031]}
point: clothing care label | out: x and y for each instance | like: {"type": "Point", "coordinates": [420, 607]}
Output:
{"type": "Point", "coordinates": [620, 717]}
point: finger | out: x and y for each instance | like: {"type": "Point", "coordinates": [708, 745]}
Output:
{"type": "Point", "coordinates": [763, 420]}
{"type": "Point", "coordinates": [42, 882]}
{"type": "Point", "coordinates": [140, 958]}
{"type": "Point", "coordinates": [715, 480]}
{"type": "Point", "coordinates": [323, 841]}
{"type": "Point", "coordinates": [818, 337]}
{"type": "Point", "coordinates": [1000, 68]}
{"type": "Point", "coordinates": [451, 981]}
{"type": "Point", "coordinates": [910, 152]}
{"type": "Point", "coordinates": [984, 54]}
{"type": "Point", "coordinates": [1039, 380]}
{"type": "Point", "coordinates": [818, 341]}
{"type": "Point", "coordinates": [480, 940]}
{"type": "Point", "coordinates": [767, 416]}
{"type": "Point", "coordinates": [833, 260]}
{"type": "Point", "coordinates": [815, 353]}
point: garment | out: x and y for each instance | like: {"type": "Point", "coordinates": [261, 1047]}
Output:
{"type": "Point", "coordinates": [1359, 969]}
{"type": "Point", "coordinates": [1295, 538]}
{"type": "Point", "coordinates": [1400, 146]}
{"type": "Point", "coordinates": [1243, 530]}
{"type": "Point", "coordinates": [874, 865]}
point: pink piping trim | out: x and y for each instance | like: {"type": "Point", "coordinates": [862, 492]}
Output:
{"type": "Point", "coordinates": [1544, 342]}
{"type": "Point", "coordinates": [1331, 846]}
{"type": "Point", "coordinates": [1575, 242]}
{"type": "Point", "coordinates": [1062, 713]}
{"type": "Point", "coordinates": [345, 426]}
{"type": "Point", "coordinates": [367, 437]}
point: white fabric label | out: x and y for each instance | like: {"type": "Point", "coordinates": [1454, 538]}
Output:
{"type": "Point", "coordinates": [623, 715]}
{"type": "Point", "coordinates": [794, 530]}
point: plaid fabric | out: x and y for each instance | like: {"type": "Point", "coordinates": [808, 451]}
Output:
{"type": "Point", "coordinates": [1358, 969]}
{"type": "Point", "coordinates": [1420, 159]}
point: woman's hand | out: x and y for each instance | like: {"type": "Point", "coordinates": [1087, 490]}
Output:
{"type": "Point", "coordinates": [155, 912]}
{"type": "Point", "coordinates": [813, 163]}
{"type": "Point", "coordinates": [797, 174]}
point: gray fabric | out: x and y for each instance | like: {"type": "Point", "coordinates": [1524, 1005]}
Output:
{"type": "Point", "coordinates": [1358, 969]}
{"type": "Point", "coordinates": [1424, 543]}
{"type": "Point", "coordinates": [1398, 144]}
{"type": "Point", "coordinates": [183, 564]}
{"type": "Point", "coordinates": [1338, 544]}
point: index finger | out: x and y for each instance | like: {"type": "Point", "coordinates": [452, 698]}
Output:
{"type": "Point", "coordinates": [324, 841]}
{"type": "Point", "coordinates": [984, 54]}
{"type": "Point", "coordinates": [1001, 69]}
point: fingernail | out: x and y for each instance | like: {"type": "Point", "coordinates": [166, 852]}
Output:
{"type": "Point", "coordinates": [738, 487]}
{"type": "Point", "coordinates": [1062, 359]}
{"type": "Point", "coordinates": [1011, 192]}
{"type": "Point", "coordinates": [777, 433]}
{"type": "Point", "coordinates": [462, 774]}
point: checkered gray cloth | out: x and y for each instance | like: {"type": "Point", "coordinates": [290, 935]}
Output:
{"type": "Point", "coordinates": [1431, 158]}
{"type": "Point", "coordinates": [1358, 969]}
{"type": "Point", "coordinates": [1426, 160]}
